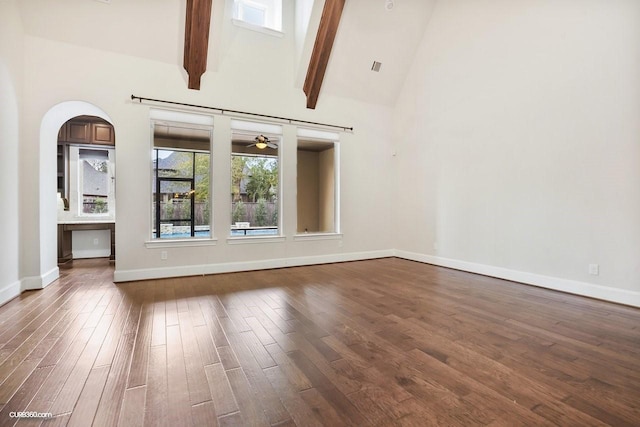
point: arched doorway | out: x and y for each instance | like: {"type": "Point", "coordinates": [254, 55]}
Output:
{"type": "Point", "coordinates": [86, 190]}
{"type": "Point", "coordinates": [52, 121]}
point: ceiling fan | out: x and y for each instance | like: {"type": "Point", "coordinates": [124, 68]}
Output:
{"type": "Point", "coordinates": [262, 142]}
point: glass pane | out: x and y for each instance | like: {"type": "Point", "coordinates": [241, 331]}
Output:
{"type": "Point", "coordinates": [175, 229]}
{"type": "Point", "coordinates": [93, 169]}
{"type": "Point", "coordinates": [252, 15]}
{"type": "Point", "coordinates": [254, 188]}
{"type": "Point", "coordinates": [174, 164]}
{"type": "Point", "coordinates": [175, 201]}
{"type": "Point", "coordinates": [94, 205]}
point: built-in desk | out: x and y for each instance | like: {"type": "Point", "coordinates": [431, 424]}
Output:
{"type": "Point", "coordinates": [65, 251]}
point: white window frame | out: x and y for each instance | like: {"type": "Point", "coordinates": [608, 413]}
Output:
{"type": "Point", "coordinates": [188, 120]}
{"type": "Point", "coordinates": [275, 132]}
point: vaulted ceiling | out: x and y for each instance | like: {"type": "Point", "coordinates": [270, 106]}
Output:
{"type": "Point", "coordinates": [154, 29]}
{"type": "Point", "coordinates": [369, 32]}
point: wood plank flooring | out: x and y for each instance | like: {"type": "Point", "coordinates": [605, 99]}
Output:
{"type": "Point", "coordinates": [373, 343]}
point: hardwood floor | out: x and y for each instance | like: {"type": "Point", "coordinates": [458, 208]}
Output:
{"type": "Point", "coordinates": [382, 343]}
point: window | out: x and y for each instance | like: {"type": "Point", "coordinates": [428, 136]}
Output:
{"type": "Point", "coordinates": [95, 176]}
{"type": "Point", "coordinates": [91, 181]}
{"type": "Point", "coordinates": [255, 183]}
{"type": "Point", "coordinates": [252, 13]}
{"type": "Point", "coordinates": [181, 181]}
{"type": "Point", "coordinates": [317, 182]}
{"type": "Point", "coordinates": [259, 13]}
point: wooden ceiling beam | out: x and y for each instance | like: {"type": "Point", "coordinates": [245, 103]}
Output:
{"type": "Point", "coordinates": [196, 40]}
{"type": "Point", "coordinates": [327, 30]}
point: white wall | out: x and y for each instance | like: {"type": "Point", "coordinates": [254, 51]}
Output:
{"type": "Point", "coordinates": [518, 143]}
{"type": "Point", "coordinates": [91, 243]}
{"type": "Point", "coordinates": [58, 71]}
{"type": "Point", "coordinates": [11, 66]}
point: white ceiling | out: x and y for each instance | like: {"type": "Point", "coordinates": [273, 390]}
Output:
{"type": "Point", "coordinates": [153, 29]}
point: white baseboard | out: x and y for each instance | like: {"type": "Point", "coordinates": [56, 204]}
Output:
{"type": "Point", "coordinates": [50, 277]}
{"type": "Point", "coordinates": [27, 284]}
{"type": "Point", "coordinates": [605, 293]}
{"type": "Point", "coordinates": [230, 267]}
{"type": "Point", "coordinates": [620, 296]}
{"type": "Point", "coordinates": [9, 292]}
{"type": "Point", "coordinates": [30, 283]}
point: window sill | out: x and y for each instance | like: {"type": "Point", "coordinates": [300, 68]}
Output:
{"type": "Point", "coordinates": [88, 221]}
{"type": "Point", "coordinates": [318, 236]}
{"type": "Point", "coordinates": [254, 239]}
{"type": "Point", "coordinates": [259, 29]}
{"type": "Point", "coordinates": [172, 243]}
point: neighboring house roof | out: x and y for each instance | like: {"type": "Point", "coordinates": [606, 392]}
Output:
{"type": "Point", "coordinates": [94, 182]}
{"type": "Point", "coordinates": [171, 163]}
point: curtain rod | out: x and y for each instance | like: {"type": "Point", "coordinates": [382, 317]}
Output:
{"type": "Point", "coordinates": [225, 110]}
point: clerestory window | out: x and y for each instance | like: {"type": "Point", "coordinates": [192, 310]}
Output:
{"type": "Point", "coordinates": [259, 13]}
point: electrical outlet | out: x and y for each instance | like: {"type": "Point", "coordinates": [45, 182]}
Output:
{"type": "Point", "coordinates": [95, 241]}
{"type": "Point", "coordinates": [163, 255]}
{"type": "Point", "coordinates": [594, 269]}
